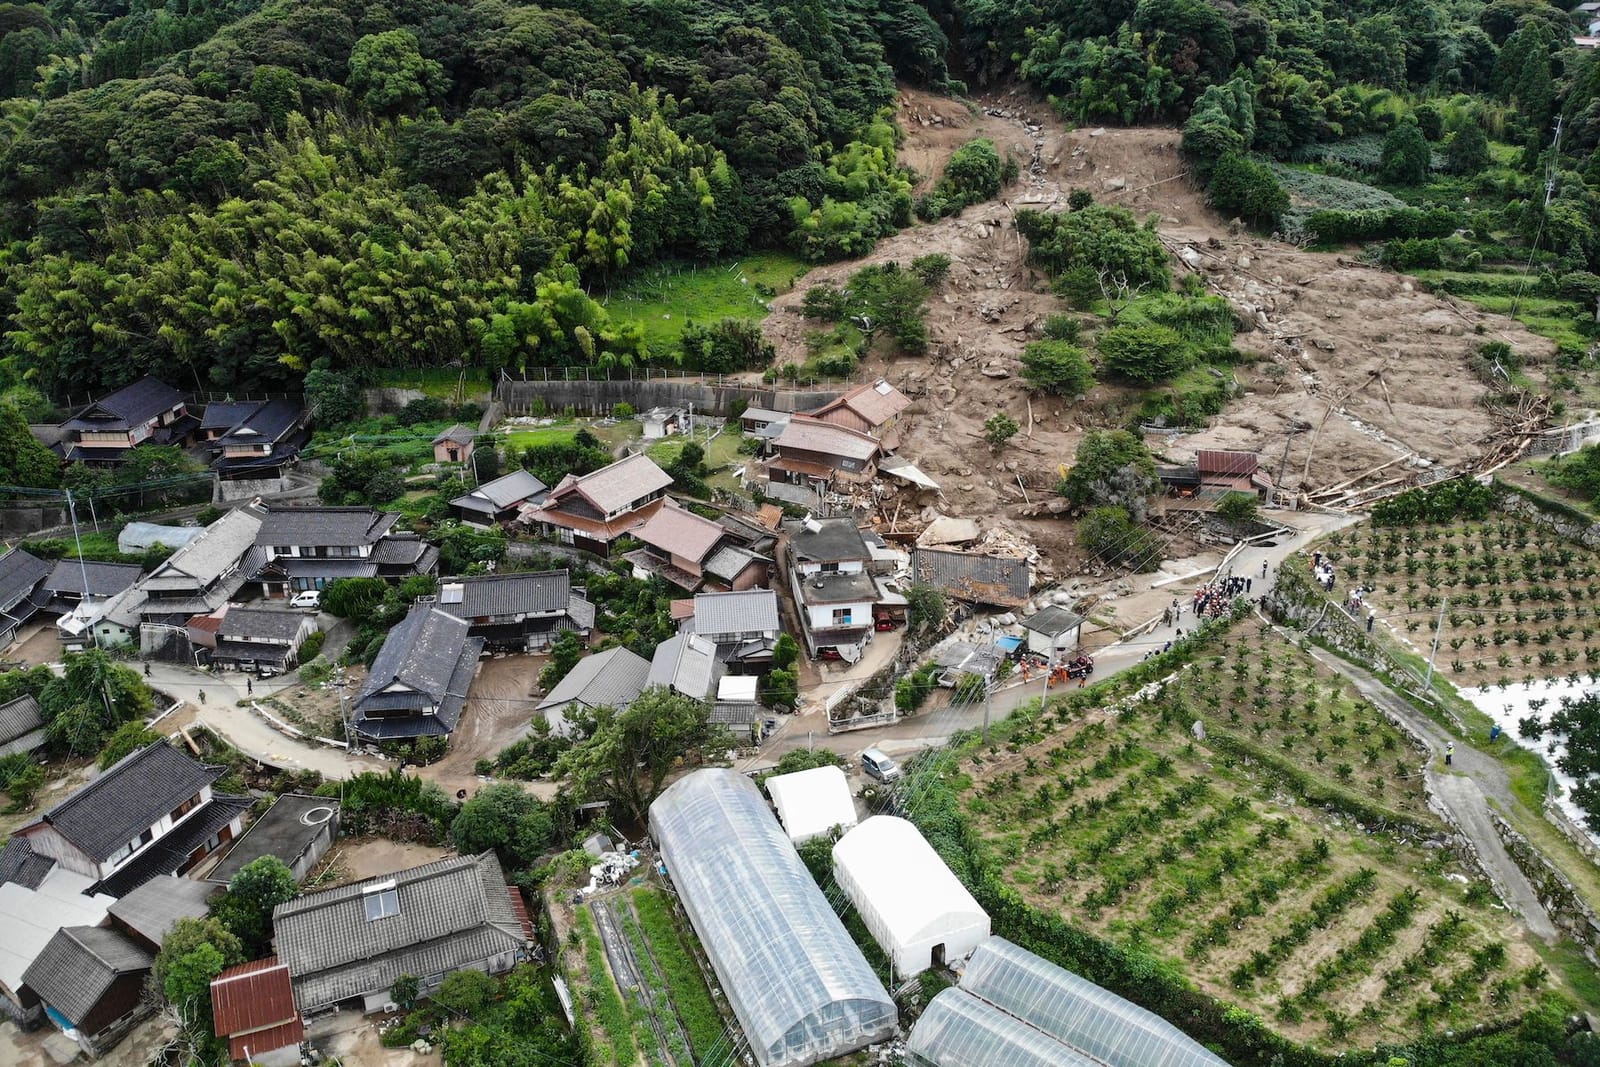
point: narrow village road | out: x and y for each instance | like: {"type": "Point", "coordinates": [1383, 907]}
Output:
{"type": "Point", "coordinates": [1464, 788]}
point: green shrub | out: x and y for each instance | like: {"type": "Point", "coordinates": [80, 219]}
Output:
{"type": "Point", "coordinates": [1248, 190]}
{"type": "Point", "coordinates": [1144, 353]}
{"type": "Point", "coordinates": [312, 645]}
{"type": "Point", "coordinates": [1057, 367]}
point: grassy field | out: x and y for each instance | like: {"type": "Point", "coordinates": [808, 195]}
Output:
{"type": "Point", "coordinates": [720, 452]}
{"type": "Point", "coordinates": [1521, 600]}
{"type": "Point", "coordinates": [406, 447]}
{"type": "Point", "coordinates": [663, 938]}
{"type": "Point", "coordinates": [1500, 290]}
{"type": "Point", "coordinates": [666, 297]}
{"type": "Point", "coordinates": [442, 383]}
{"type": "Point", "coordinates": [1277, 862]}
{"type": "Point", "coordinates": [613, 435]}
{"type": "Point", "coordinates": [596, 991]}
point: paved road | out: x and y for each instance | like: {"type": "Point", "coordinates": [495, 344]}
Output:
{"type": "Point", "coordinates": [931, 729]}
{"type": "Point", "coordinates": [242, 727]}
{"type": "Point", "coordinates": [1465, 789]}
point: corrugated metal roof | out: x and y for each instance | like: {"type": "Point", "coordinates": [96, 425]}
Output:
{"type": "Point", "coordinates": [252, 996]}
{"type": "Point", "coordinates": [998, 580]}
{"type": "Point", "coordinates": [152, 908]}
{"type": "Point", "coordinates": [517, 487]}
{"type": "Point", "coordinates": [1052, 621]}
{"type": "Point", "coordinates": [687, 663]}
{"type": "Point", "coordinates": [18, 717]}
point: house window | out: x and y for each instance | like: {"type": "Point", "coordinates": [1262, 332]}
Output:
{"type": "Point", "coordinates": [842, 616]}
{"type": "Point", "coordinates": [131, 847]}
{"type": "Point", "coordinates": [187, 806]}
{"type": "Point", "coordinates": [382, 900]}
{"type": "Point", "coordinates": [828, 568]}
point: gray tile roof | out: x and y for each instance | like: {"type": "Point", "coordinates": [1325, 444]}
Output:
{"type": "Point", "coordinates": [581, 612]}
{"type": "Point", "coordinates": [998, 580]}
{"type": "Point", "coordinates": [430, 654]}
{"type": "Point", "coordinates": [613, 678]}
{"type": "Point", "coordinates": [132, 405]}
{"type": "Point", "coordinates": [92, 579]}
{"type": "Point", "coordinates": [129, 798]}
{"type": "Point", "coordinates": [78, 966]}
{"type": "Point", "coordinates": [262, 624]}
{"type": "Point", "coordinates": [452, 913]}
{"type": "Point", "coordinates": [509, 489]}
{"type": "Point", "coordinates": [19, 863]}
{"type": "Point", "coordinates": [206, 558]}
{"type": "Point", "coordinates": [270, 421]}
{"type": "Point", "coordinates": [226, 414]}
{"type": "Point", "coordinates": [20, 571]}
{"type": "Point", "coordinates": [1052, 621]}
{"type": "Point", "coordinates": [457, 433]}
{"type": "Point", "coordinates": [324, 526]}
{"type": "Point", "coordinates": [730, 561]}
{"type": "Point", "coordinates": [731, 613]}
{"type": "Point", "coordinates": [832, 541]}
{"type": "Point", "coordinates": [152, 908]}
{"type": "Point", "coordinates": [166, 854]}
{"type": "Point", "coordinates": [505, 594]}
{"type": "Point", "coordinates": [18, 717]}
{"type": "Point", "coordinates": [687, 663]}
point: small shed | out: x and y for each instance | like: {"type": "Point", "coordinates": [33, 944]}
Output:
{"type": "Point", "coordinates": [252, 1007]}
{"type": "Point", "coordinates": [915, 907]}
{"type": "Point", "coordinates": [663, 422]}
{"type": "Point", "coordinates": [454, 445]}
{"type": "Point", "coordinates": [1053, 631]}
{"type": "Point", "coordinates": [811, 803]}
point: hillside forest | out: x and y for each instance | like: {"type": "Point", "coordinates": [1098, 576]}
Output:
{"type": "Point", "coordinates": [237, 194]}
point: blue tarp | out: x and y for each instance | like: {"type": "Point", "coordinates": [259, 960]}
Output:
{"type": "Point", "coordinates": [1008, 644]}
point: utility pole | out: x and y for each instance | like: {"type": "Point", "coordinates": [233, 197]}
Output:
{"type": "Point", "coordinates": [988, 697]}
{"type": "Point", "coordinates": [1438, 627]}
{"type": "Point", "coordinates": [83, 571]}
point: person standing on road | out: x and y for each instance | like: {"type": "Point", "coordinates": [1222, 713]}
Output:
{"type": "Point", "coordinates": [249, 687]}
{"type": "Point", "coordinates": [1449, 752]}
{"type": "Point", "coordinates": [147, 668]}
{"type": "Point", "coordinates": [202, 696]}
{"type": "Point", "coordinates": [1372, 617]}
{"type": "Point", "coordinates": [1263, 570]}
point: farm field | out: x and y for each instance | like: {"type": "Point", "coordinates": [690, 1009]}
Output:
{"type": "Point", "coordinates": [665, 298]}
{"type": "Point", "coordinates": [721, 451]}
{"type": "Point", "coordinates": [1285, 861]}
{"type": "Point", "coordinates": [612, 433]}
{"type": "Point", "coordinates": [1520, 603]}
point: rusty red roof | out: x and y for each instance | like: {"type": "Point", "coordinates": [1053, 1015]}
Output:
{"type": "Point", "coordinates": [521, 908]}
{"type": "Point", "coordinates": [252, 998]}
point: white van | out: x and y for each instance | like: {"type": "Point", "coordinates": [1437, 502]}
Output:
{"type": "Point", "coordinates": [877, 765]}
{"type": "Point", "coordinates": [309, 598]}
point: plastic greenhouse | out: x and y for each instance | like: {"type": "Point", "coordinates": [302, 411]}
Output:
{"type": "Point", "coordinates": [959, 1030]}
{"type": "Point", "coordinates": [916, 908]}
{"type": "Point", "coordinates": [810, 803]}
{"type": "Point", "coordinates": [1075, 1011]}
{"type": "Point", "coordinates": [799, 986]}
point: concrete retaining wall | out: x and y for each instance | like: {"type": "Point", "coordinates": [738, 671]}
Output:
{"type": "Point", "coordinates": [710, 396]}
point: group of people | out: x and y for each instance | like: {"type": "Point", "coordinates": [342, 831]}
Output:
{"type": "Point", "coordinates": [1322, 571]}
{"type": "Point", "coordinates": [1211, 601]}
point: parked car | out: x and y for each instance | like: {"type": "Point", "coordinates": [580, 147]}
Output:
{"type": "Point", "coordinates": [876, 765]}
{"type": "Point", "coordinates": [882, 620]}
{"type": "Point", "coordinates": [308, 598]}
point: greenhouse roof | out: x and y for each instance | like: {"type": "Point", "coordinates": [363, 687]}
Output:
{"type": "Point", "coordinates": [1103, 1026]}
{"type": "Point", "coordinates": [901, 884]}
{"type": "Point", "coordinates": [812, 802]}
{"type": "Point", "coordinates": [959, 1030]}
{"type": "Point", "coordinates": [798, 984]}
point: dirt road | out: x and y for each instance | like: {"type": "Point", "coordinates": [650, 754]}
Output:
{"type": "Point", "coordinates": [1465, 789]}
{"type": "Point", "coordinates": [498, 710]}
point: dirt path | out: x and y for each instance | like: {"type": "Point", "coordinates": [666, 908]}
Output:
{"type": "Point", "coordinates": [1465, 789]}
{"type": "Point", "coordinates": [498, 711]}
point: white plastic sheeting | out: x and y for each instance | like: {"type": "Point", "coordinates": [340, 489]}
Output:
{"type": "Point", "coordinates": [912, 903]}
{"type": "Point", "coordinates": [812, 802]}
{"type": "Point", "coordinates": [1075, 1011]}
{"type": "Point", "coordinates": [959, 1030]}
{"type": "Point", "coordinates": [799, 986]}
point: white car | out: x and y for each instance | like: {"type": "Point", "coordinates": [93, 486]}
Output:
{"type": "Point", "coordinates": [310, 598]}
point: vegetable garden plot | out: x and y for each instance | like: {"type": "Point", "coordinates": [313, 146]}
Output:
{"type": "Point", "coordinates": [1520, 603]}
{"type": "Point", "coordinates": [1278, 861]}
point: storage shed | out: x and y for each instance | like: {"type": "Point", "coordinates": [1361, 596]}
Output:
{"type": "Point", "coordinates": [799, 986]}
{"type": "Point", "coordinates": [915, 907]}
{"type": "Point", "coordinates": [810, 803]}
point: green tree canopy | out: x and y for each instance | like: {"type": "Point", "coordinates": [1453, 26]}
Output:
{"type": "Point", "coordinates": [627, 757]}
{"type": "Point", "coordinates": [1058, 367]}
{"type": "Point", "coordinates": [1406, 155]}
{"type": "Point", "coordinates": [1112, 467]}
{"type": "Point", "coordinates": [516, 824]}
{"type": "Point", "coordinates": [389, 73]}
{"type": "Point", "coordinates": [246, 908]}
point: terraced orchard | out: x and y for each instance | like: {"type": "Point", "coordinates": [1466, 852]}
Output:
{"type": "Point", "coordinates": [1281, 856]}
{"type": "Point", "coordinates": [1520, 603]}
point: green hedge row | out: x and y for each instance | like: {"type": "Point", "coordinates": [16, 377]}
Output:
{"type": "Point", "coordinates": [1335, 226]}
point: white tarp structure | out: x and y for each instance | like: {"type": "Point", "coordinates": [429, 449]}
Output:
{"type": "Point", "coordinates": [800, 988]}
{"type": "Point", "coordinates": [810, 803]}
{"type": "Point", "coordinates": [916, 908]}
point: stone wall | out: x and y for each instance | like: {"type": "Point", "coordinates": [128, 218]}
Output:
{"type": "Point", "coordinates": [710, 396]}
{"type": "Point", "coordinates": [1565, 522]}
{"type": "Point", "coordinates": [1567, 909]}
